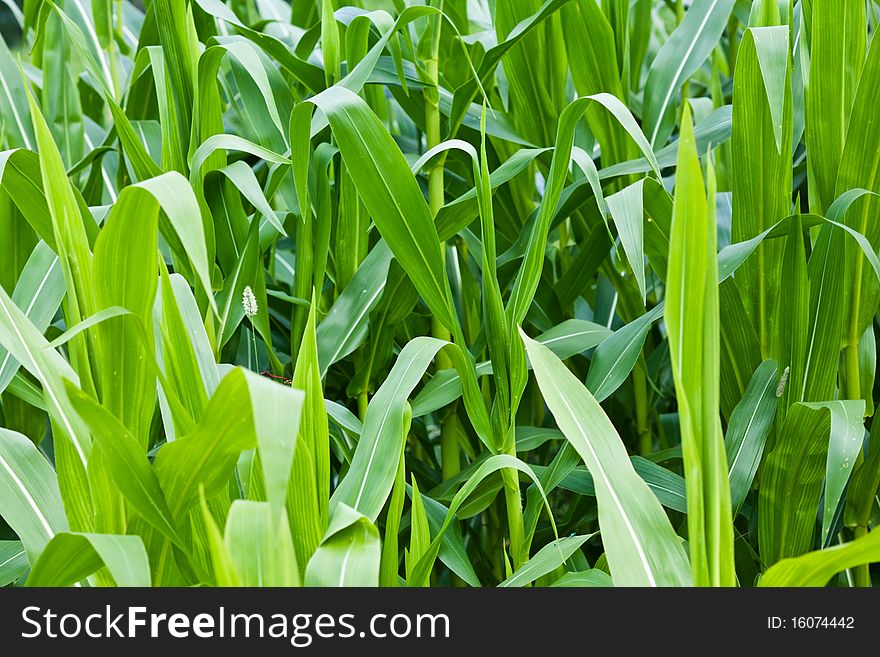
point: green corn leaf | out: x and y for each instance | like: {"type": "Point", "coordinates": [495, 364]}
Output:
{"type": "Point", "coordinates": [22, 181]}
{"type": "Point", "coordinates": [816, 568]}
{"type": "Point", "coordinates": [38, 294]}
{"type": "Point", "coordinates": [761, 195]}
{"type": "Point", "coordinates": [13, 561]}
{"type": "Point", "coordinates": [682, 54]}
{"type": "Point", "coordinates": [590, 46]}
{"type": "Point", "coordinates": [529, 274]}
{"type": "Point", "coordinates": [309, 485]}
{"type": "Point", "coordinates": [844, 445]}
{"type": "Point", "coordinates": [127, 464]}
{"type": "Point", "coordinates": [419, 536]}
{"type": "Point", "coordinates": [62, 108]}
{"type": "Point", "coordinates": [259, 545]}
{"type": "Point", "coordinates": [387, 188]}
{"type": "Point", "coordinates": [32, 501]}
{"type": "Point", "coordinates": [585, 578]}
{"type": "Point", "coordinates": [692, 320]}
{"type": "Point", "coordinates": [861, 290]}
{"type": "Point", "coordinates": [535, 102]}
{"type": "Point", "coordinates": [345, 324]}
{"type": "Point", "coordinates": [627, 210]}
{"type": "Point", "coordinates": [70, 237]}
{"type": "Point", "coordinates": [642, 547]}
{"type": "Point", "coordinates": [390, 562]}
{"type": "Point", "coordinates": [791, 484]}
{"type": "Point", "coordinates": [488, 467]}
{"type": "Point", "coordinates": [837, 53]}
{"type": "Point", "coordinates": [349, 555]}
{"type": "Point", "coordinates": [13, 104]}
{"type": "Point", "coordinates": [72, 441]}
{"type": "Point", "coordinates": [668, 487]}
{"type": "Point", "coordinates": [245, 411]}
{"type": "Point", "coordinates": [370, 479]}
{"type": "Point", "coordinates": [69, 558]}
{"type": "Point", "coordinates": [748, 429]}
{"type": "Point", "coordinates": [529, 22]}
{"type": "Point", "coordinates": [548, 558]}
{"type": "Point", "coordinates": [616, 356]}
{"type": "Point", "coordinates": [176, 355]}
{"type": "Point", "coordinates": [740, 351]}
{"type": "Point", "coordinates": [565, 340]}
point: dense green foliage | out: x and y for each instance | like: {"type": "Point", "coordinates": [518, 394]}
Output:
{"type": "Point", "coordinates": [453, 292]}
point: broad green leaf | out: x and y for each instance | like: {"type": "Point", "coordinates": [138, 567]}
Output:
{"type": "Point", "coordinates": [22, 181]}
{"type": "Point", "coordinates": [72, 441]}
{"type": "Point", "coordinates": [246, 411]}
{"type": "Point", "coordinates": [616, 356]}
{"type": "Point", "coordinates": [761, 194]}
{"type": "Point", "coordinates": [573, 336]}
{"type": "Point", "coordinates": [586, 578]}
{"type": "Point", "coordinates": [627, 210]}
{"type": "Point", "coordinates": [548, 558]}
{"type": "Point", "coordinates": [13, 561]}
{"type": "Point", "coordinates": [791, 484]}
{"type": "Point", "coordinates": [692, 321]}
{"type": "Point", "coordinates": [71, 239]}
{"type": "Point", "coordinates": [329, 43]}
{"type": "Point", "coordinates": [13, 104]}
{"type": "Point", "coordinates": [181, 218]}
{"type": "Point", "coordinates": [69, 558]}
{"type": "Point", "coordinates": [837, 53]}
{"type": "Point", "coordinates": [259, 545]}
{"type": "Point", "coordinates": [369, 480]}
{"type": "Point", "coordinates": [748, 429]}
{"type": "Point", "coordinates": [386, 186]}
{"type": "Point", "coordinates": [349, 554]}
{"type": "Point", "coordinates": [844, 445]}
{"type": "Point", "coordinates": [126, 463]}
{"type": "Point", "coordinates": [590, 46]}
{"type": "Point", "coordinates": [277, 412]}
{"type": "Point", "coordinates": [344, 326]}
{"type": "Point", "coordinates": [816, 568]}
{"type": "Point", "coordinates": [681, 55]}
{"type": "Point", "coordinates": [38, 294]}
{"type": "Point", "coordinates": [642, 547]}
{"type": "Point", "coordinates": [308, 493]}
{"type": "Point", "coordinates": [32, 504]}
{"type": "Point", "coordinates": [178, 358]}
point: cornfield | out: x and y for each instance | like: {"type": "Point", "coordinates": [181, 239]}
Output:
{"type": "Point", "coordinates": [575, 293]}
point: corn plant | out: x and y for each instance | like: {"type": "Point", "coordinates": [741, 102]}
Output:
{"type": "Point", "coordinates": [439, 293]}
